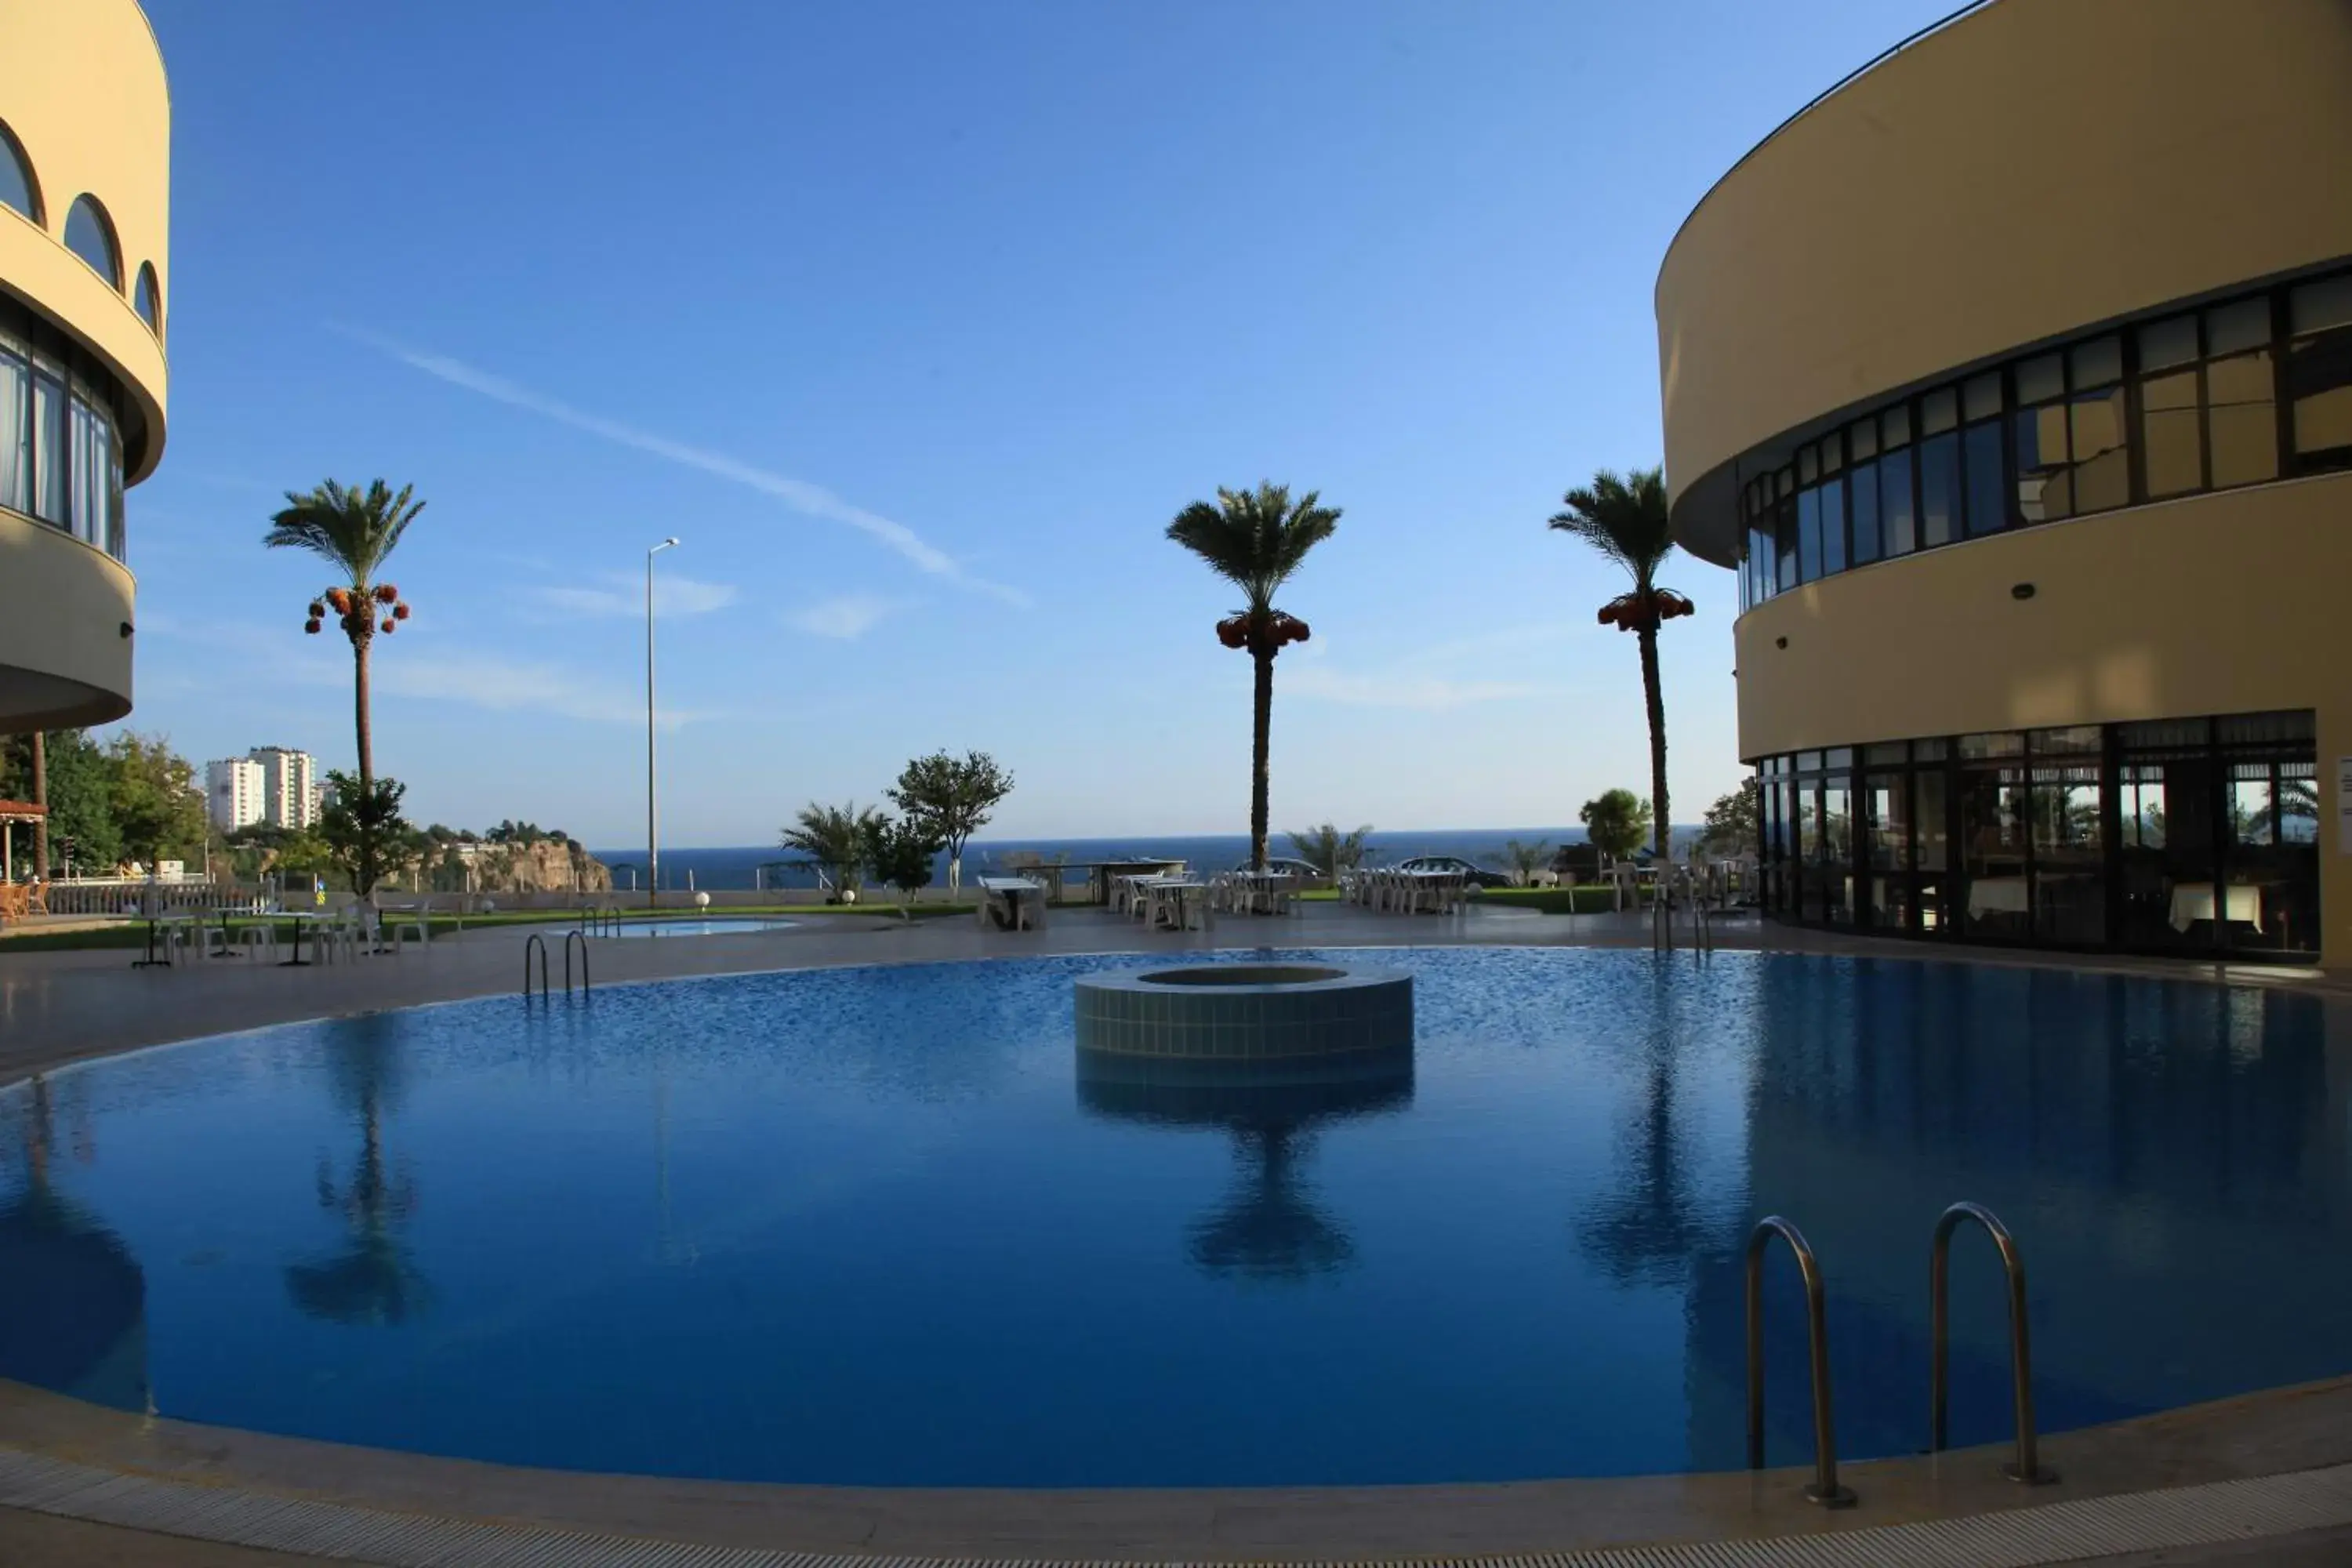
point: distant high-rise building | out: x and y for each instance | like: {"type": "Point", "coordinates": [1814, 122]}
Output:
{"type": "Point", "coordinates": [233, 793]}
{"type": "Point", "coordinates": [289, 787]}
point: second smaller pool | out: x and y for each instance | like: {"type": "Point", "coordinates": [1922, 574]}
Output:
{"type": "Point", "coordinates": [701, 925]}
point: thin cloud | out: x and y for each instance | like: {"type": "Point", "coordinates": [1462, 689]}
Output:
{"type": "Point", "coordinates": [850, 615]}
{"type": "Point", "coordinates": [673, 595]}
{"type": "Point", "coordinates": [1425, 693]}
{"type": "Point", "coordinates": [809, 499]}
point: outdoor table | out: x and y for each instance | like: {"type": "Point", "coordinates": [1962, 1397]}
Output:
{"type": "Point", "coordinates": [2193, 901]}
{"type": "Point", "coordinates": [1191, 897]}
{"type": "Point", "coordinates": [294, 919]}
{"type": "Point", "coordinates": [1112, 870]}
{"type": "Point", "coordinates": [1013, 891]}
{"type": "Point", "coordinates": [156, 918]}
{"type": "Point", "coordinates": [1260, 883]}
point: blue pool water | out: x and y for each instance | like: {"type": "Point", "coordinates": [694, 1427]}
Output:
{"type": "Point", "coordinates": [714, 925]}
{"type": "Point", "coordinates": [874, 1225]}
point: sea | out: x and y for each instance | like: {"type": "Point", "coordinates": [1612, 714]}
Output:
{"type": "Point", "coordinates": [765, 866]}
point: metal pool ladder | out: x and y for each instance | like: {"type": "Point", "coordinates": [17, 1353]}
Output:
{"type": "Point", "coordinates": [538, 944]}
{"type": "Point", "coordinates": [1825, 1490]}
{"type": "Point", "coordinates": [2026, 1467]}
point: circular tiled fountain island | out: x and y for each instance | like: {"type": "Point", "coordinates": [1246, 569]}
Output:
{"type": "Point", "coordinates": [1247, 1014]}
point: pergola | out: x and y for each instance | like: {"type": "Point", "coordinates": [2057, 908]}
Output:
{"type": "Point", "coordinates": [13, 812]}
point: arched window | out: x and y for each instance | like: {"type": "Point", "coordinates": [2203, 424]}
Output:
{"type": "Point", "coordinates": [16, 187]}
{"type": "Point", "coordinates": [149, 299]}
{"type": "Point", "coordinates": [89, 235]}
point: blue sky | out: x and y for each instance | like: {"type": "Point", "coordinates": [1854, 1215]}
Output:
{"type": "Point", "coordinates": [916, 323]}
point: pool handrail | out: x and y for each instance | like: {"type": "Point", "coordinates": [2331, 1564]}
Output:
{"type": "Point", "coordinates": [538, 942]}
{"type": "Point", "coordinates": [570, 937]}
{"type": "Point", "coordinates": [2026, 1467]}
{"type": "Point", "coordinates": [1824, 1488]}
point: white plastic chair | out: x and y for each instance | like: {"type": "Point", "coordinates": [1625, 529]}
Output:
{"type": "Point", "coordinates": [259, 941]}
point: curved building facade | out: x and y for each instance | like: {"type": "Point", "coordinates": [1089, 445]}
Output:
{"type": "Point", "coordinates": [2013, 378]}
{"type": "Point", "coordinates": [85, 301]}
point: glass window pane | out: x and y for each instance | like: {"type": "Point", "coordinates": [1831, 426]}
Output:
{"type": "Point", "coordinates": [2097, 363]}
{"type": "Point", "coordinates": [1862, 439]}
{"type": "Point", "coordinates": [148, 300]}
{"type": "Point", "coordinates": [1939, 412]}
{"type": "Point", "coordinates": [1933, 750]}
{"type": "Point", "coordinates": [1998, 744]}
{"type": "Point", "coordinates": [1888, 796]}
{"type": "Point", "coordinates": [2252, 820]}
{"type": "Point", "coordinates": [1808, 467]}
{"type": "Point", "coordinates": [2244, 325]}
{"type": "Point", "coordinates": [1898, 523]}
{"type": "Point", "coordinates": [2319, 380]}
{"type": "Point", "coordinates": [2315, 307]}
{"type": "Point", "coordinates": [1878, 751]}
{"type": "Point", "coordinates": [91, 237]}
{"type": "Point", "coordinates": [2068, 740]}
{"type": "Point", "coordinates": [1809, 535]}
{"type": "Point", "coordinates": [1895, 425]}
{"type": "Point", "coordinates": [1833, 527]}
{"type": "Point", "coordinates": [2102, 459]}
{"type": "Point", "coordinates": [2243, 416]}
{"type": "Point", "coordinates": [1787, 481]}
{"type": "Point", "coordinates": [1933, 830]}
{"type": "Point", "coordinates": [2040, 380]}
{"type": "Point", "coordinates": [2175, 442]}
{"type": "Point", "coordinates": [1993, 816]}
{"type": "Point", "coordinates": [2070, 888]}
{"type": "Point", "coordinates": [1837, 849]}
{"type": "Point", "coordinates": [1832, 454]}
{"type": "Point", "coordinates": [2045, 481]}
{"type": "Point", "coordinates": [16, 184]}
{"type": "Point", "coordinates": [1981, 399]}
{"type": "Point", "coordinates": [50, 486]}
{"type": "Point", "coordinates": [16, 433]}
{"type": "Point", "coordinates": [1785, 530]}
{"type": "Point", "coordinates": [1939, 489]}
{"type": "Point", "coordinates": [1864, 505]}
{"type": "Point", "coordinates": [2163, 345]}
{"type": "Point", "coordinates": [1988, 506]}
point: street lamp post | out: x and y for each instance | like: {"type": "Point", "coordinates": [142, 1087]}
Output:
{"type": "Point", "coordinates": [653, 820]}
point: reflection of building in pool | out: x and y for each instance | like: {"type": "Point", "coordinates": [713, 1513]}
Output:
{"type": "Point", "coordinates": [73, 1302]}
{"type": "Point", "coordinates": [1270, 1227]}
{"type": "Point", "coordinates": [2028, 435]}
{"type": "Point", "coordinates": [370, 1279]}
{"type": "Point", "coordinates": [2173, 1159]}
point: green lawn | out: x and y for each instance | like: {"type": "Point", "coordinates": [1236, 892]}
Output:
{"type": "Point", "coordinates": [1552, 900]}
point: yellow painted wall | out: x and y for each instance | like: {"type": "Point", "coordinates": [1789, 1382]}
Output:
{"type": "Point", "coordinates": [82, 86]}
{"type": "Point", "coordinates": [2230, 603]}
{"type": "Point", "coordinates": [63, 660]}
{"type": "Point", "coordinates": [2037, 168]}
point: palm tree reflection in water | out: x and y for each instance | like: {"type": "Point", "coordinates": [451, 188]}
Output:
{"type": "Point", "coordinates": [371, 1279]}
{"type": "Point", "coordinates": [1270, 1227]}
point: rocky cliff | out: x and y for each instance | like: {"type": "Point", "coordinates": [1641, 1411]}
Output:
{"type": "Point", "coordinates": [544, 867]}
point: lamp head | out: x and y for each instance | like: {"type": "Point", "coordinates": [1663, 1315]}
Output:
{"type": "Point", "coordinates": [664, 544]}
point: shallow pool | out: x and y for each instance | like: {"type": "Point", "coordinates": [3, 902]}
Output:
{"type": "Point", "coordinates": [875, 1225]}
{"type": "Point", "coordinates": [699, 925]}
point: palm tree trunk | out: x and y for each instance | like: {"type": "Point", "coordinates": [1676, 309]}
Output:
{"type": "Point", "coordinates": [359, 708]}
{"type": "Point", "coordinates": [1261, 729]}
{"type": "Point", "coordinates": [1660, 823]}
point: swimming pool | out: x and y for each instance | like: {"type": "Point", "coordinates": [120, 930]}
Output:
{"type": "Point", "coordinates": [697, 925]}
{"type": "Point", "coordinates": [876, 1225]}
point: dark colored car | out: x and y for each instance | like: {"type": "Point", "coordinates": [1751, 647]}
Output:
{"type": "Point", "coordinates": [1298, 869]}
{"type": "Point", "coordinates": [1479, 875]}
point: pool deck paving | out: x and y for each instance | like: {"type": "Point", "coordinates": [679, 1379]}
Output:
{"type": "Point", "coordinates": [61, 1006]}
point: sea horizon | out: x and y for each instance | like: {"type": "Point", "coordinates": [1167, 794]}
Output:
{"type": "Point", "coordinates": [744, 867]}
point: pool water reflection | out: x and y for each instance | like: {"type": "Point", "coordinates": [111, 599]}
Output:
{"type": "Point", "coordinates": [884, 1227]}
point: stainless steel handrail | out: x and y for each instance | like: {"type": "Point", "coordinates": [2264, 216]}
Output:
{"type": "Point", "coordinates": [569, 937]}
{"type": "Point", "coordinates": [538, 942]}
{"type": "Point", "coordinates": [1825, 1490]}
{"type": "Point", "coordinates": [2026, 1467]}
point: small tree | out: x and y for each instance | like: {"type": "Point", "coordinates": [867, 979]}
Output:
{"type": "Point", "coordinates": [833, 839]}
{"type": "Point", "coordinates": [1524, 860]}
{"type": "Point", "coordinates": [899, 854]}
{"type": "Point", "coordinates": [953, 797]}
{"type": "Point", "coordinates": [363, 829]}
{"type": "Point", "coordinates": [1731, 826]}
{"type": "Point", "coordinates": [1330, 851]}
{"type": "Point", "coordinates": [1616, 821]}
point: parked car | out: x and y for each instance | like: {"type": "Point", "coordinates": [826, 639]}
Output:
{"type": "Point", "coordinates": [1480, 876]}
{"type": "Point", "coordinates": [1298, 869]}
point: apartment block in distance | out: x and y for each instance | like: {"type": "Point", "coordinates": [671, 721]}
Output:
{"type": "Point", "coordinates": [289, 786]}
{"type": "Point", "coordinates": [235, 791]}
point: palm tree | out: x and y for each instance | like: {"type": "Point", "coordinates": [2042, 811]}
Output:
{"type": "Point", "coordinates": [835, 840]}
{"type": "Point", "coordinates": [1255, 539]}
{"type": "Point", "coordinates": [1625, 520]}
{"type": "Point", "coordinates": [353, 530]}
{"type": "Point", "coordinates": [1330, 851]}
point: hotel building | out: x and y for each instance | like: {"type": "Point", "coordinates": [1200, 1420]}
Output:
{"type": "Point", "coordinates": [2012, 378]}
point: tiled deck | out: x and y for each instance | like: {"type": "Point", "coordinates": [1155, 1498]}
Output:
{"type": "Point", "coordinates": [56, 1007]}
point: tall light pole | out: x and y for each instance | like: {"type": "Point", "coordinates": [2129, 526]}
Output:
{"type": "Point", "coordinates": [653, 821]}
